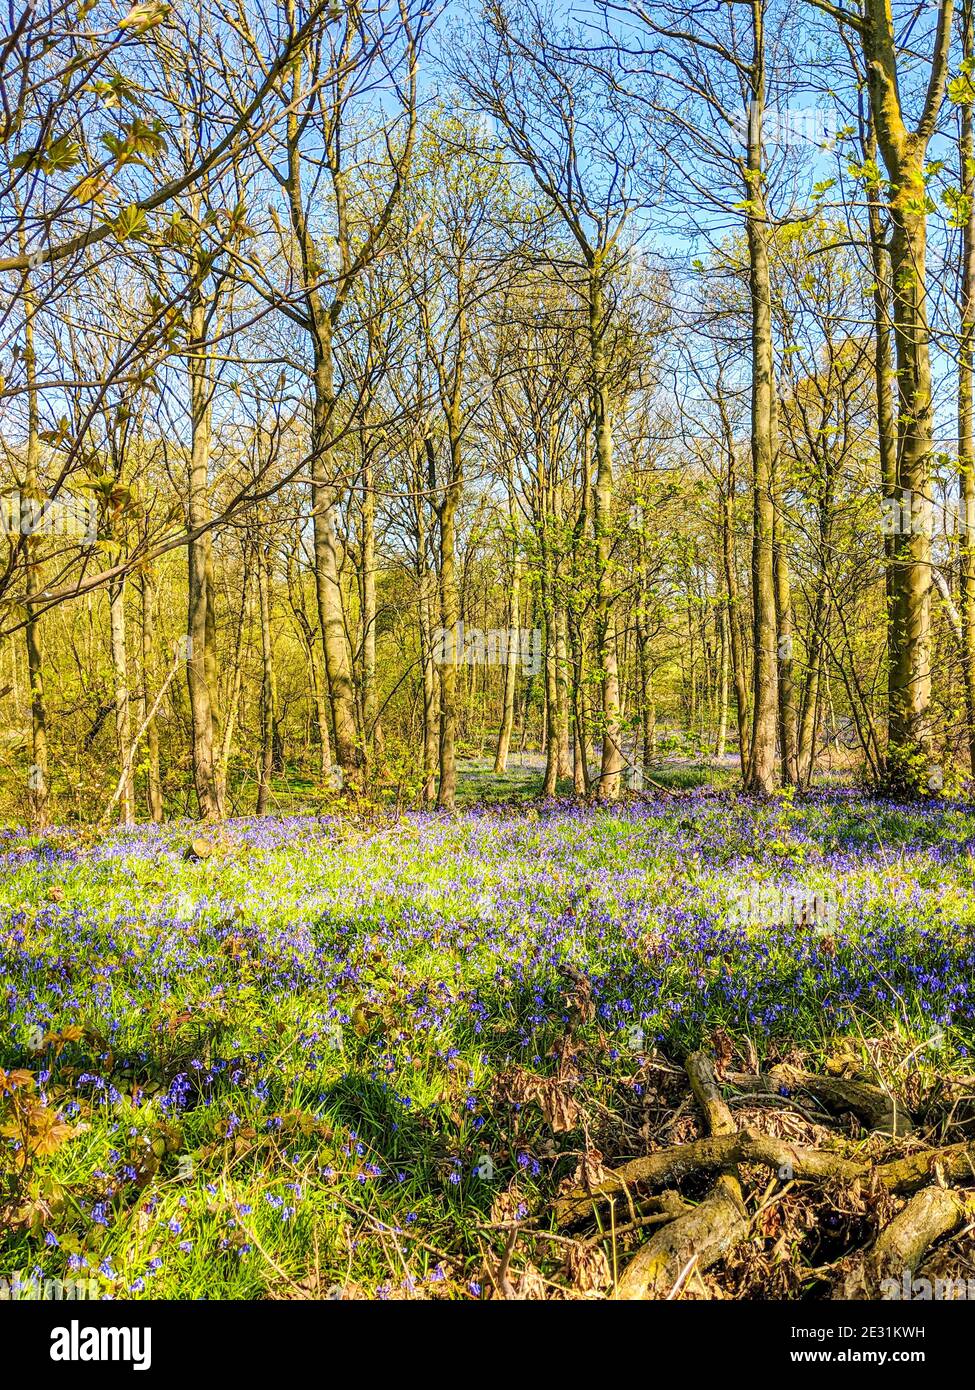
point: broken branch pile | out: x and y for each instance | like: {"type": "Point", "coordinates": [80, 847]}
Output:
{"type": "Point", "coordinates": [749, 1171]}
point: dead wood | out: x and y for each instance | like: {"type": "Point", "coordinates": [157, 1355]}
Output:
{"type": "Point", "coordinates": [692, 1238]}
{"type": "Point", "coordinates": [694, 1241]}
{"type": "Point", "coordinates": [874, 1107]}
{"type": "Point", "coordinates": [930, 1214]}
{"type": "Point", "coordinates": [704, 1235]}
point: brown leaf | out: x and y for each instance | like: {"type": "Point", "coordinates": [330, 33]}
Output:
{"type": "Point", "coordinates": [505, 1206]}
{"type": "Point", "coordinates": [530, 1284]}
{"type": "Point", "coordinates": [589, 1170]}
{"type": "Point", "coordinates": [723, 1052]}
{"type": "Point", "coordinates": [559, 1107]}
{"type": "Point", "coordinates": [588, 1268]}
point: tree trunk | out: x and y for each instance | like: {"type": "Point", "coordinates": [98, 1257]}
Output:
{"type": "Point", "coordinates": [552, 740]}
{"type": "Point", "coordinates": [449, 618]}
{"type": "Point", "coordinates": [611, 767]}
{"type": "Point", "coordinates": [562, 690]}
{"type": "Point", "coordinates": [511, 668]}
{"type": "Point", "coordinates": [966, 381]}
{"type": "Point", "coordinates": [909, 677]}
{"type": "Point", "coordinates": [268, 700]}
{"type": "Point", "coordinates": [784, 650]}
{"type": "Point", "coordinates": [327, 546]}
{"type": "Point", "coordinates": [199, 560]}
{"type": "Point", "coordinates": [123, 721]}
{"type": "Point", "coordinates": [883, 381]}
{"type": "Point", "coordinates": [38, 776]}
{"type": "Point", "coordinates": [236, 679]}
{"type": "Point", "coordinates": [722, 734]}
{"type": "Point", "coordinates": [331, 614]}
{"type": "Point", "coordinates": [733, 605]}
{"type": "Point", "coordinates": [425, 603]}
{"type": "Point", "coordinates": [370, 696]}
{"type": "Point", "coordinates": [760, 778]}
{"type": "Point", "coordinates": [154, 798]}
{"type": "Point", "coordinates": [810, 703]}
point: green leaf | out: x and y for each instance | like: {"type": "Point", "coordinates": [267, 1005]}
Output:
{"type": "Point", "coordinates": [145, 16]}
{"type": "Point", "coordinates": [130, 224]}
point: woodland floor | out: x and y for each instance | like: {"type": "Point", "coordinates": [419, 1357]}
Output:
{"type": "Point", "coordinates": [530, 1051]}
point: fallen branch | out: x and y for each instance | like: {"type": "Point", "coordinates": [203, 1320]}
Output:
{"type": "Point", "coordinates": [703, 1236]}
{"type": "Point", "coordinates": [955, 1163]}
{"type": "Point", "coordinates": [876, 1108]}
{"type": "Point", "coordinates": [901, 1245]}
{"type": "Point", "coordinates": [714, 1227]}
{"type": "Point", "coordinates": [654, 1170]}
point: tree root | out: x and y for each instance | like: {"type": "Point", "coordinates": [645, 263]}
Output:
{"type": "Point", "coordinates": [655, 1170]}
{"type": "Point", "coordinates": [695, 1238]}
{"type": "Point", "coordinates": [955, 1163]}
{"type": "Point", "coordinates": [874, 1107]}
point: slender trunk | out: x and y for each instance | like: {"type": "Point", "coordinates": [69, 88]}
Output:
{"type": "Point", "coordinates": [760, 777]}
{"type": "Point", "coordinates": [809, 712]}
{"type": "Point", "coordinates": [811, 703]}
{"type": "Point", "coordinates": [966, 382]}
{"type": "Point", "coordinates": [581, 780]}
{"type": "Point", "coordinates": [123, 729]}
{"type": "Point", "coordinates": [723, 663]}
{"type": "Point", "coordinates": [321, 711]}
{"type": "Point", "coordinates": [784, 649]}
{"type": "Point", "coordinates": [644, 663]}
{"type": "Point", "coordinates": [449, 618]}
{"type": "Point", "coordinates": [581, 754]}
{"type": "Point", "coordinates": [331, 610]}
{"type": "Point", "coordinates": [425, 599]}
{"type": "Point", "coordinates": [732, 612]}
{"type": "Point", "coordinates": [511, 668]}
{"type": "Point", "coordinates": [431, 708]}
{"type": "Point", "coordinates": [562, 689]}
{"type": "Point", "coordinates": [611, 768]}
{"type": "Point", "coordinates": [550, 781]}
{"type": "Point", "coordinates": [38, 774]}
{"type": "Point", "coordinates": [154, 796]}
{"type": "Point", "coordinates": [370, 697]}
{"type": "Point", "coordinates": [325, 496]}
{"type": "Point", "coordinates": [236, 680]}
{"type": "Point", "coordinates": [267, 681]}
{"type": "Point", "coordinates": [199, 626]}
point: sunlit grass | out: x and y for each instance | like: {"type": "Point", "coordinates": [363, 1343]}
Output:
{"type": "Point", "coordinates": [285, 1061]}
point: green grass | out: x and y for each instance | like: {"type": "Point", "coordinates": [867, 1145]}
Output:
{"type": "Point", "coordinates": [365, 1012]}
